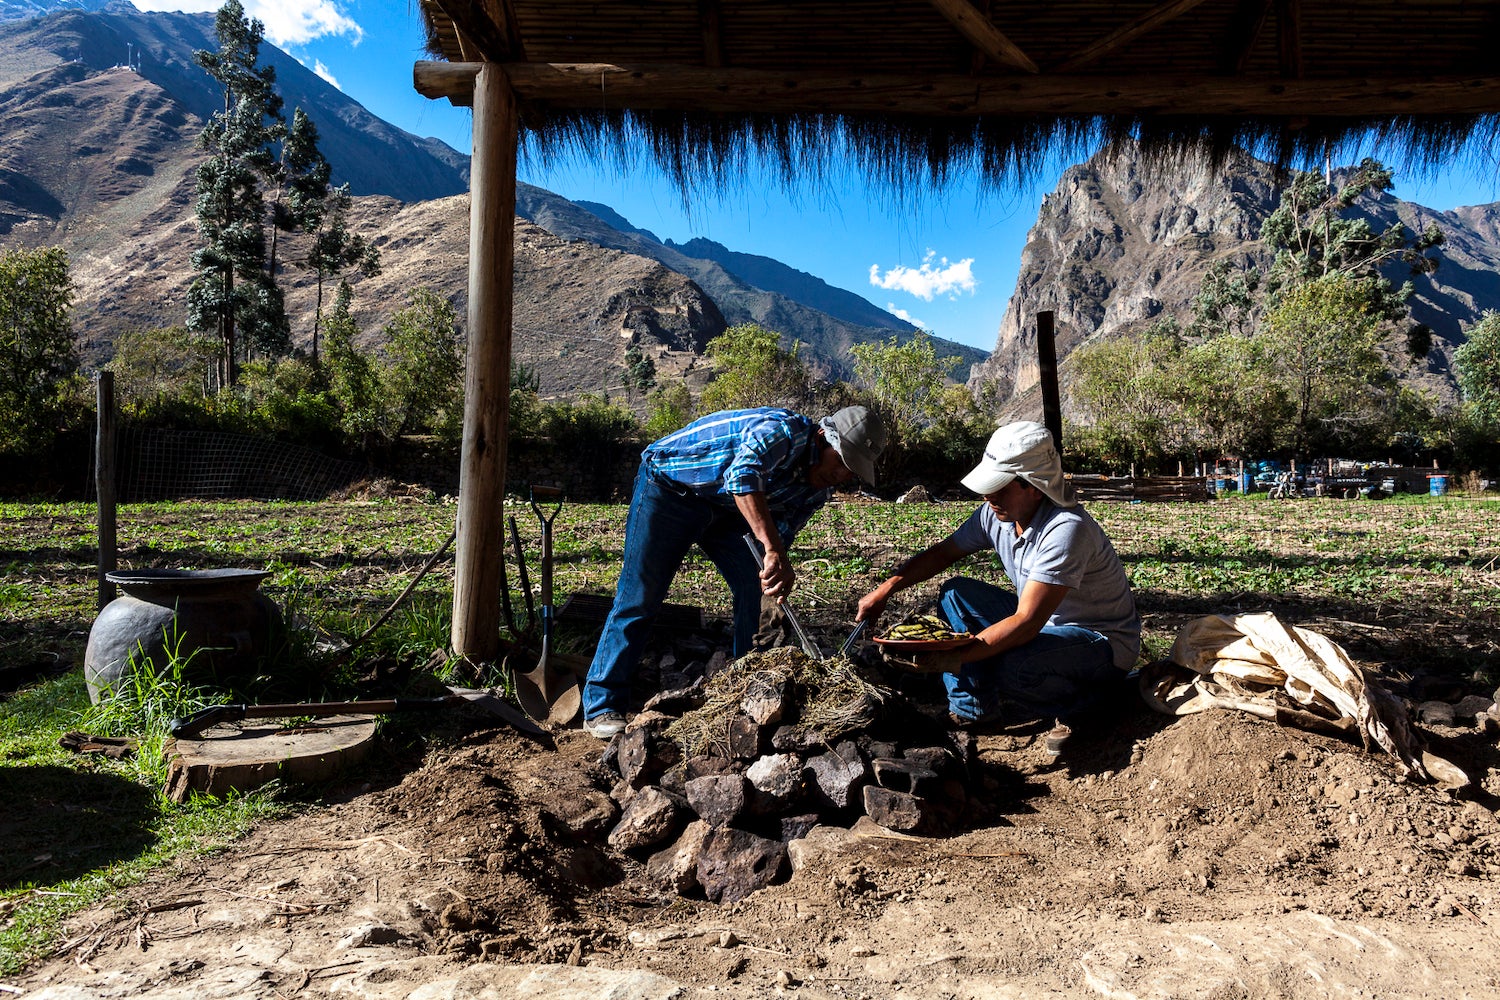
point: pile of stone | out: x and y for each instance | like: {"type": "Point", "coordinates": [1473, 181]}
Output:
{"type": "Point", "coordinates": [719, 781]}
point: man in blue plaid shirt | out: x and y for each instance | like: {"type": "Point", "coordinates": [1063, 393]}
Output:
{"type": "Point", "coordinates": [765, 471]}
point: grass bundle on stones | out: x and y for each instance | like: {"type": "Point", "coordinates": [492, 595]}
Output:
{"type": "Point", "coordinates": [830, 697]}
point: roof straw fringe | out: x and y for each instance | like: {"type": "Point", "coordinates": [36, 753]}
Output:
{"type": "Point", "coordinates": [907, 156]}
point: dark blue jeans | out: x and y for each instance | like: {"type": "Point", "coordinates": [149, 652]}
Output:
{"type": "Point", "coordinates": [662, 525]}
{"type": "Point", "coordinates": [1065, 671]}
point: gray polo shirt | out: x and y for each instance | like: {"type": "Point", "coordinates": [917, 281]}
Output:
{"type": "Point", "coordinates": [1065, 546]}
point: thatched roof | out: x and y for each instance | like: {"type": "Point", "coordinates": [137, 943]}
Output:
{"type": "Point", "coordinates": [914, 89]}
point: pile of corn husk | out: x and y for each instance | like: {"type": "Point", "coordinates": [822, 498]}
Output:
{"type": "Point", "coordinates": [1293, 676]}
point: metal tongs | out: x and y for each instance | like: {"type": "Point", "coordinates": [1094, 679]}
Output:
{"type": "Point", "coordinates": [808, 646]}
{"type": "Point", "coordinates": [859, 629]}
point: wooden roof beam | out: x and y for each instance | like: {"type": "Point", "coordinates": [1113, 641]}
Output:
{"type": "Point", "coordinates": [495, 40]}
{"type": "Point", "coordinates": [1125, 34]}
{"type": "Point", "coordinates": [713, 38]}
{"type": "Point", "coordinates": [1289, 37]}
{"type": "Point", "coordinates": [590, 86]}
{"type": "Point", "coordinates": [1245, 26]}
{"type": "Point", "coordinates": [983, 35]}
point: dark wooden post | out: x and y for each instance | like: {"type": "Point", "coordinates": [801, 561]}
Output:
{"type": "Point", "coordinates": [104, 483]}
{"type": "Point", "coordinates": [1046, 358]}
{"type": "Point", "coordinates": [481, 493]}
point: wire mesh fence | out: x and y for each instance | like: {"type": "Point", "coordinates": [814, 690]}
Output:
{"type": "Point", "coordinates": [160, 464]}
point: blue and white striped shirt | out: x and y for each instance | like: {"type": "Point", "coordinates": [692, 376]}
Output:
{"type": "Point", "coordinates": [765, 450]}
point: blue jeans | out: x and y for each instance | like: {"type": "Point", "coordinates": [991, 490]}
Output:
{"type": "Point", "coordinates": [662, 525]}
{"type": "Point", "coordinates": [1065, 671]}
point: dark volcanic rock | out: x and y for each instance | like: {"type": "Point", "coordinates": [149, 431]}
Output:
{"type": "Point", "coordinates": [734, 863]}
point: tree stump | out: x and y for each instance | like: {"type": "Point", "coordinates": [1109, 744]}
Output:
{"type": "Point", "coordinates": [244, 756]}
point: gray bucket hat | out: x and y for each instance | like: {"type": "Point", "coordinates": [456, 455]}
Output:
{"type": "Point", "coordinates": [858, 435]}
{"type": "Point", "coordinates": [1024, 450]}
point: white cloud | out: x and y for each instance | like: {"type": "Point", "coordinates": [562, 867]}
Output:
{"type": "Point", "coordinates": [890, 307]}
{"type": "Point", "coordinates": [288, 22]}
{"type": "Point", "coordinates": [325, 73]}
{"type": "Point", "coordinates": [936, 276]}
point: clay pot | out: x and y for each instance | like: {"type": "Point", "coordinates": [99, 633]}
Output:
{"type": "Point", "coordinates": [218, 616]}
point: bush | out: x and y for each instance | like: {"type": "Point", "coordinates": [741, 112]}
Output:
{"type": "Point", "coordinates": [286, 400]}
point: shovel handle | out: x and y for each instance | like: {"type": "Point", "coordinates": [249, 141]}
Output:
{"type": "Point", "coordinates": [515, 537]}
{"type": "Point", "coordinates": [551, 495]}
{"type": "Point", "coordinates": [754, 546]}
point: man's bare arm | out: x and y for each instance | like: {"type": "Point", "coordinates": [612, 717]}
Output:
{"type": "Point", "coordinates": [777, 577]}
{"type": "Point", "coordinates": [923, 566]}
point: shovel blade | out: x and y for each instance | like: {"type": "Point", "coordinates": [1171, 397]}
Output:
{"type": "Point", "coordinates": [549, 693]}
{"type": "Point", "coordinates": [566, 700]}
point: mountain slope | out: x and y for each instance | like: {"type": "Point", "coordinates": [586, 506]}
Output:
{"type": "Point", "coordinates": [373, 156]}
{"type": "Point", "coordinates": [100, 158]}
{"type": "Point", "coordinates": [828, 320]}
{"type": "Point", "coordinates": [1115, 246]}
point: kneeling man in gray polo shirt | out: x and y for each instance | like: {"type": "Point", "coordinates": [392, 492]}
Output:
{"type": "Point", "coordinates": [1063, 639]}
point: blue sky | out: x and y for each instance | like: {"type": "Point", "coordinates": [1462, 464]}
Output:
{"type": "Point", "coordinates": [946, 262]}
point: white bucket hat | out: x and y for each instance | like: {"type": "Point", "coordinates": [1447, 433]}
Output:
{"type": "Point", "coordinates": [858, 435]}
{"type": "Point", "coordinates": [1024, 450]}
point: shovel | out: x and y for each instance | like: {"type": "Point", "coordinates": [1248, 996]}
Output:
{"type": "Point", "coordinates": [549, 691]}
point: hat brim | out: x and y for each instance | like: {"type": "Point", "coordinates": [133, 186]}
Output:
{"type": "Point", "coordinates": [859, 462]}
{"type": "Point", "coordinates": [985, 481]}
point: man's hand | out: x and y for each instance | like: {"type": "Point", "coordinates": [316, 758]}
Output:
{"type": "Point", "coordinates": [777, 575]}
{"type": "Point", "coordinates": [871, 606]}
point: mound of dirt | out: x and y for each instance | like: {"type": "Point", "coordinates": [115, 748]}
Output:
{"type": "Point", "coordinates": [1305, 863]}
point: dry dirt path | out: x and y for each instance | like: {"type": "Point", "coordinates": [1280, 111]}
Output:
{"type": "Point", "coordinates": [1213, 857]}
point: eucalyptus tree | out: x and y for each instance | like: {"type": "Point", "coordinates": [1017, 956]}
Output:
{"type": "Point", "coordinates": [233, 295]}
{"type": "Point", "coordinates": [1317, 233]}
{"type": "Point", "coordinates": [335, 250]}
{"type": "Point", "coordinates": [299, 179]}
{"type": "Point", "coordinates": [1477, 365]}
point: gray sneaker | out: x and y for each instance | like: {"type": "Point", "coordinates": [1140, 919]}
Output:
{"type": "Point", "coordinates": [1057, 739]}
{"type": "Point", "coordinates": [605, 725]}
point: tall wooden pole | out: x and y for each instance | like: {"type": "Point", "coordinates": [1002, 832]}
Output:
{"type": "Point", "coordinates": [104, 484]}
{"type": "Point", "coordinates": [1046, 361]}
{"type": "Point", "coordinates": [481, 492]}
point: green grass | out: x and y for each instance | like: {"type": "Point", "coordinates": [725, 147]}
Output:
{"type": "Point", "coordinates": [83, 827]}
{"type": "Point", "coordinates": [1406, 584]}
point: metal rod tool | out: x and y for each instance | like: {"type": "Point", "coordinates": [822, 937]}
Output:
{"type": "Point", "coordinates": [808, 646]}
{"type": "Point", "coordinates": [859, 628]}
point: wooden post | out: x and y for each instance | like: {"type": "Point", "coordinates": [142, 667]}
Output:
{"type": "Point", "coordinates": [1046, 358]}
{"type": "Point", "coordinates": [104, 483]}
{"type": "Point", "coordinates": [481, 492]}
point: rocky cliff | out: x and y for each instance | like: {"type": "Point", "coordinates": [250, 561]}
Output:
{"type": "Point", "coordinates": [1118, 244]}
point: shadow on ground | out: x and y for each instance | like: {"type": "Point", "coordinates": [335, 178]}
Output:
{"type": "Point", "coordinates": [60, 824]}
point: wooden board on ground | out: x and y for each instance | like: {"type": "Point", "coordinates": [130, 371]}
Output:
{"type": "Point", "coordinates": [243, 756]}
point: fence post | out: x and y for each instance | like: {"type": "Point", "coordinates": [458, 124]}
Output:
{"type": "Point", "coordinates": [1046, 358]}
{"type": "Point", "coordinates": [104, 483]}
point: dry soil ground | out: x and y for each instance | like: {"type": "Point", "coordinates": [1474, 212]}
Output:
{"type": "Point", "coordinates": [1214, 856]}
